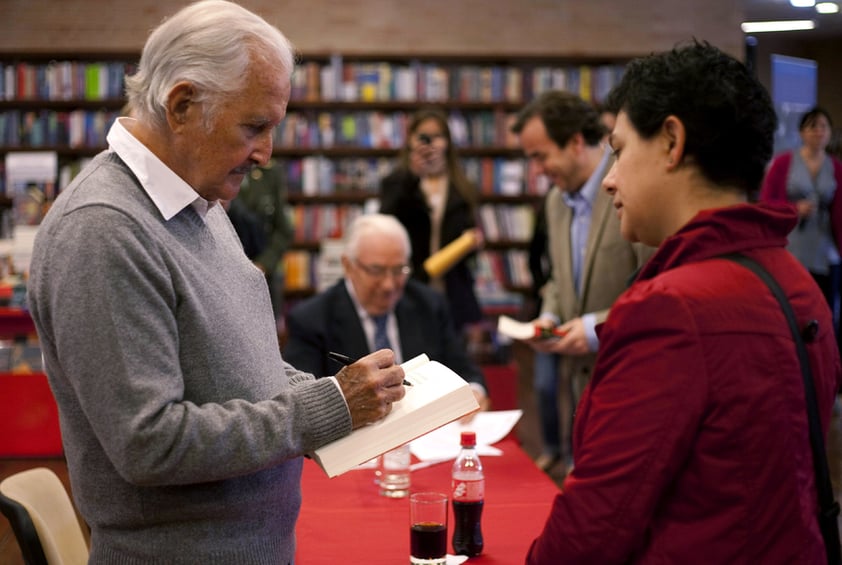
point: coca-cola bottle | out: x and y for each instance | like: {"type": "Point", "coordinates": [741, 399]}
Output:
{"type": "Point", "coordinates": [468, 488]}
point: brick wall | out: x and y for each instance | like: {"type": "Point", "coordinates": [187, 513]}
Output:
{"type": "Point", "coordinates": [618, 28]}
{"type": "Point", "coordinates": [565, 27]}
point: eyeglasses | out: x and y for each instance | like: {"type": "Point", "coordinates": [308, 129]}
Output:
{"type": "Point", "coordinates": [380, 272]}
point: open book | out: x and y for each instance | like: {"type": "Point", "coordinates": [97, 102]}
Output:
{"type": "Point", "coordinates": [437, 396]}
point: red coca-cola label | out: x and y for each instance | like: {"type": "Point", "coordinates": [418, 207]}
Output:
{"type": "Point", "coordinates": [468, 491]}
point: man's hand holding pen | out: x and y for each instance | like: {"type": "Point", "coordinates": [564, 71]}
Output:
{"type": "Point", "coordinates": [370, 386]}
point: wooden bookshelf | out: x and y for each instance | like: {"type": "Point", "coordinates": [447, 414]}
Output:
{"type": "Point", "coordinates": [345, 125]}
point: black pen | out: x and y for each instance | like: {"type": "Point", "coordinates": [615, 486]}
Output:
{"type": "Point", "coordinates": [345, 360]}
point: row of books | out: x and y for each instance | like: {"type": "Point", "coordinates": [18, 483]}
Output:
{"type": "Point", "coordinates": [325, 221]}
{"type": "Point", "coordinates": [63, 80]}
{"type": "Point", "coordinates": [319, 175]}
{"type": "Point", "coordinates": [47, 128]}
{"type": "Point", "coordinates": [493, 288]}
{"type": "Point", "coordinates": [511, 267]}
{"type": "Point", "coordinates": [315, 223]}
{"type": "Point", "coordinates": [333, 80]}
{"type": "Point", "coordinates": [387, 130]}
{"type": "Point", "coordinates": [500, 176]}
{"type": "Point", "coordinates": [382, 130]}
{"type": "Point", "coordinates": [507, 222]}
{"type": "Point", "coordinates": [418, 81]}
{"type": "Point", "coordinates": [315, 130]}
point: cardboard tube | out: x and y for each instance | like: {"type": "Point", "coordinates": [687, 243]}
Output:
{"type": "Point", "coordinates": [443, 260]}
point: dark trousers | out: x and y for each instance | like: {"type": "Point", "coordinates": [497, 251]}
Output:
{"type": "Point", "coordinates": [546, 385]}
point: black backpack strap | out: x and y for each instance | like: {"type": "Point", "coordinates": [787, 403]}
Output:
{"type": "Point", "coordinates": [828, 507]}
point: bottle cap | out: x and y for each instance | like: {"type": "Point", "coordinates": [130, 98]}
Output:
{"type": "Point", "coordinates": [469, 439]}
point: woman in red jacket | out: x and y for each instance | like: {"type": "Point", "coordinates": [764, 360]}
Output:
{"type": "Point", "coordinates": [810, 179]}
{"type": "Point", "coordinates": [691, 437]}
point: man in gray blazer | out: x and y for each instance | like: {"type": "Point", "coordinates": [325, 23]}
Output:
{"type": "Point", "coordinates": [590, 261]}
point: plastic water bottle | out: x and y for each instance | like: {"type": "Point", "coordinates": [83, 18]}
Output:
{"type": "Point", "coordinates": [468, 496]}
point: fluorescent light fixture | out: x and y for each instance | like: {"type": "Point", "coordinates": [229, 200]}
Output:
{"type": "Point", "coordinates": [827, 7]}
{"type": "Point", "coordinates": [803, 3]}
{"type": "Point", "coordinates": [783, 25]}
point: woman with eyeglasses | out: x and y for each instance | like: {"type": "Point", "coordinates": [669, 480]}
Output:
{"type": "Point", "coordinates": [430, 195]}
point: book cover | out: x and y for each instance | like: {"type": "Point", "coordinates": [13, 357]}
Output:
{"type": "Point", "coordinates": [437, 396]}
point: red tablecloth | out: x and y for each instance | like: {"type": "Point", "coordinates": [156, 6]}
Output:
{"type": "Point", "coordinates": [344, 520]}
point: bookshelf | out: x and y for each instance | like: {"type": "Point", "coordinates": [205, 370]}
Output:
{"type": "Point", "coordinates": [346, 123]}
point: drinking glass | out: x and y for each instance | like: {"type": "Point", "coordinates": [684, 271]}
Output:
{"type": "Point", "coordinates": [427, 528]}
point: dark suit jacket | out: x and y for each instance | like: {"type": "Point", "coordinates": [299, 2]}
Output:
{"type": "Point", "coordinates": [401, 196]}
{"type": "Point", "coordinates": [329, 322]}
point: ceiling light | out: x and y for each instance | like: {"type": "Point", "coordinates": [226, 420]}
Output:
{"type": "Point", "coordinates": [827, 7]}
{"type": "Point", "coordinates": [803, 3]}
{"type": "Point", "coordinates": [783, 25]}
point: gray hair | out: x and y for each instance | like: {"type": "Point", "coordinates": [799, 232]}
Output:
{"type": "Point", "coordinates": [374, 224]}
{"type": "Point", "coordinates": [210, 44]}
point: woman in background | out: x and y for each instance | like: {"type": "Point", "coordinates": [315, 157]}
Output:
{"type": "Point", "coordinates": [809, 178]}
{"type": "Point", "coordinates": [430, 195]}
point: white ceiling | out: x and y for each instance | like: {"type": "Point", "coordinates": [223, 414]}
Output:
{"type": "Point", "coordinates": [827, 25]}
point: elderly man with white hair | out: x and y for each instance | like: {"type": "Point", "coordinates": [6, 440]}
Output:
{"type": "Point", "coordinates": [183, 427]}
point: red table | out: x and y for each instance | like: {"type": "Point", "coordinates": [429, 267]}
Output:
{"type": "Point", "coordinates": [344, 520]}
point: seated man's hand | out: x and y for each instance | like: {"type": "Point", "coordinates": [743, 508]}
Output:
{"type": "Point", "coordinates": [370, 386]}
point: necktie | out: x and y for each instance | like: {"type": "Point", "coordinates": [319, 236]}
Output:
{"type": "Point", "coordinates": [381, 338]}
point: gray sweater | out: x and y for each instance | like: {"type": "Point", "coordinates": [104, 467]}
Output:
{"type": "Point", "coordinates": [182, 426]}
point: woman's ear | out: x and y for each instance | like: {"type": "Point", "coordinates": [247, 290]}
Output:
{"type": "Point", "coordinates": [675, 137]}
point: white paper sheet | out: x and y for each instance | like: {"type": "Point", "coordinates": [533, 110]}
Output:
{"type": "Point", "coordinates": [443, 444]}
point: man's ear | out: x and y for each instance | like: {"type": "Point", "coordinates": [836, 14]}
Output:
{"type": "Point", "coordinates": [675, 136]}
{"type": "Point", "coordinates": [180, 103]}
{"type": "Point", "coordinates": [346, 263]}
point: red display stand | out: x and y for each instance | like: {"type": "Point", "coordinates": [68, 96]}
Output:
{"type": "Point", "coordinates": [28, 414]}
{"type": "Point", "coordinates": [29, 422]}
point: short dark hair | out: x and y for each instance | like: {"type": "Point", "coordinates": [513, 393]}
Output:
{"type": "Point", "coordinates": [726, 112]}
{"type": "Point", "coordinates": [810, 117]}
{"type": "Point", "coordinates": [564, 115]}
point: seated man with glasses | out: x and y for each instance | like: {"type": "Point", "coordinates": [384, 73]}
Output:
{"type": "Point", "coordinates": [377, 306]}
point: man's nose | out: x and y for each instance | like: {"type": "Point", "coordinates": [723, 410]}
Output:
{"type": "Point", "coordinates": [263, 149]}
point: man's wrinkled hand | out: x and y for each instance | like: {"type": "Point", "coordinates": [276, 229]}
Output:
{"type": "Point", "coordinates": [371, 386]}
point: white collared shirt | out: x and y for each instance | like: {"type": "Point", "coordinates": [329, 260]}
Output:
{"type": "Point", "coordinates": [368, 325]}
{"type": "Point", "coordinates": [168, 191]}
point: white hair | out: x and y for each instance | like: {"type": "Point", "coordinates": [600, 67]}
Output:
{"type": "Point", "coordinates": [211, 44]}
{"type": "Point", "coordinates": [375, 224]}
